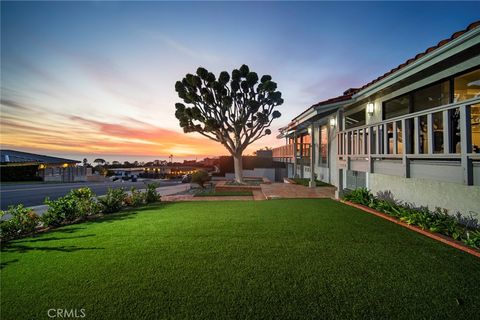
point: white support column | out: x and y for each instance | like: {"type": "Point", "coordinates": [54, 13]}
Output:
{"type": "Point", "coordinates": [312, 183]}
{"type": "Point", "coordinates": [406, 148]}
{"type": "Point", "coordinates": [339, 180]}
{"type": "Point", "coordinates": [294, 154]}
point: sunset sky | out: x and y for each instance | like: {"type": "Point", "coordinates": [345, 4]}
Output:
{"type": "Point", "coordinates": [97, 78]}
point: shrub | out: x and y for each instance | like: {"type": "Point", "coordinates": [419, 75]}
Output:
{"type": "Point", "coordinates": [61, 210]}
{"type": "Point", "coordinates": [151, 195]}
{"type": "Point", "coordinates": [113, 201]}
{"type": "Point", "coordinates": [439, 220]}
{"type": "Point", "coordinates": [473, 239]}
{"type": "Point", "coordinates": [360, 195]}
{"type": "Point", "coordinates": [200, 177]}
{"type": "Point", "coordinates": [77, 204]}
{"type": "Point", "coordinates": [86, 202]}
{"type": "Point", "coordinates": [136, 198]}
{"type": "Point", "coordinates": [22, 221]}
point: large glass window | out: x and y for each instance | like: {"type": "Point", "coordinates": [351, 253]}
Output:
{"type": "Point", "coordinates": [432, 96]}
{"type": "Point", "coordinates": [396, 107]}
{"type": "Point", "coordinates": [356, 119]}
{"type": "Point", "coordinates": [467, 86]}
{"type": "Point", "coordinates": [323, 154]}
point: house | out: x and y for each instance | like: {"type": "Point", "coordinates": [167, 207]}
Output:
{"type": "Point", "coordinates": [414, 131]}
{"type": "Point", "coordinates": [24, 166]}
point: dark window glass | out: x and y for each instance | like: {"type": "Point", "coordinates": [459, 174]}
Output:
{"type": "Point", "coordinates": [431, 97]}
{"type": "Point", "coordinates": [355, 119]}
{"type": "Point", "coordinates": [396, 107]}
{"type": "Point", "coordinates": [467, 86]}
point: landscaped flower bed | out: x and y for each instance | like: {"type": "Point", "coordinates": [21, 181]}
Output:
{"type": "Point", "coordinates": [76, 206]}
{"type": "Point", "coordinates": [466, 230]}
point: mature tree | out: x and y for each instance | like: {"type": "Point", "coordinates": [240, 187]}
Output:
{"type": "Point", "coordinates": [235, 110]}
{"type": "Point", "coordinates": [99, 161]}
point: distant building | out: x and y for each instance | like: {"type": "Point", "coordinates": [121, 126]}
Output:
{"type": "Point", "coordinates": [24, 166]}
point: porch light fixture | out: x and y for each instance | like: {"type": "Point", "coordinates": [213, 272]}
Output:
{"type": "Point", "coordinates": [333, 122]}
{"type": "Point", "coordinates": [309, 130]}
{"type": "Point", "coordinates": [370, 108]}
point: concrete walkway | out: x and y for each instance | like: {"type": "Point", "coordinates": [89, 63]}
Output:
{"type": "Point", "coordinates": [288, 190]}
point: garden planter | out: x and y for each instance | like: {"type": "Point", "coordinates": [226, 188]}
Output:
{"type": "Point", "coordinates": [436, 236]}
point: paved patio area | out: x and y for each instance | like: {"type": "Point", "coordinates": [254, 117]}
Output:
{"type": "Point", "coordinates": [268, 191]}
{"type": "Point", "coordinates": [288, 190]}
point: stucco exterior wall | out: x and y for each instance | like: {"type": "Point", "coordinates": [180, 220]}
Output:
{"type": "Point", "coordinates": [451, 196]}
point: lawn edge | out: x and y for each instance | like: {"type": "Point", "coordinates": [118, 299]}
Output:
{"type": "Point", "coordinates": [439, 237]}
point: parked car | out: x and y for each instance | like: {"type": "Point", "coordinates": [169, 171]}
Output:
{"type": "Point", "coordinates": [187, 178]}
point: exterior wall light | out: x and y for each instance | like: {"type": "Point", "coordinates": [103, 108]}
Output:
{"type": "Point", "coordinates": [333, 122]}
{"type": "Point", "coordinates": [309, 130]}
{"type": "Point", "coordinates": [370, 108]}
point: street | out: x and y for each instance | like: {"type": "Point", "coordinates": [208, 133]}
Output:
{"type": "Point", "coordinates": [33, 194]}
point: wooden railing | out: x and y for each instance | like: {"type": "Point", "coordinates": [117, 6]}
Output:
{"type": "Point", "coordinates": [288, 152]}
{"type": "Point", "coordinates": [285, 151]}
{"type": "Point", "coordinates": [443, 132]}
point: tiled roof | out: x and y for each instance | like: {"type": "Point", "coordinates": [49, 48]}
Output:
{"type": "Point", "coordinates": [13, 156]}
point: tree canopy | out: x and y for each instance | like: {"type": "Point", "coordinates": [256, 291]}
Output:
{"type": "Point", "coordinates": [234, 109]}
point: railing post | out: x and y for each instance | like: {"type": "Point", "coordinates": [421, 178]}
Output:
{"type": "Point", "coordinates": [385, 139]}
{"type": "Point", "coordinates": [394, 137]}
{"type": "Point", "coordinates": [416, 135]}
{"type": "Point", "coordinates": [357, 145]}
{"type": "Point", "coordinates": [447, 141]}
{"type": "Point", "coordinates": [430, 133]}
{"type": "Point", "coordinates": [466, 144]}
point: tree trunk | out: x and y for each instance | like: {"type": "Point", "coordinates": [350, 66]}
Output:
{"type": "Point", "coordinates": [238, 166]}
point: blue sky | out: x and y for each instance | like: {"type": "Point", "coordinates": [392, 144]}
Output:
{"type": "Point", "coordinates": [98, 77]}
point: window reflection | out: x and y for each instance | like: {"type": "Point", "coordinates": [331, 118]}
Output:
{"type": "Point", "coordinates": [431, 97]}
{"type": "Point", "coordinates": [467, 86]}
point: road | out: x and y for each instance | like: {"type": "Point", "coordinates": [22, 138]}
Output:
{"type": "Point", "coordinates": [33, 194]}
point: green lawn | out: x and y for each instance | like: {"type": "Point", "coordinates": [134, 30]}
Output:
{"type": "Point", "coordinates": [296, 259]}
{"type": "Point", "coordinates": [213, 193]}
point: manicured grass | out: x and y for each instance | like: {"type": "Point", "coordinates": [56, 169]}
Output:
{"type": "Point", "coordinates": [213, 193]}
{"type": "Point", "coordinates": [295, 259]}
{"type": "Point", "coordinates": [305, 182]}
